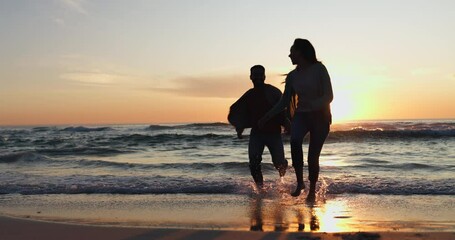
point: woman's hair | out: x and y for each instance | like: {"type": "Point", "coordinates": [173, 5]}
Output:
{"type": "Point", "coordinates": [306, 49]}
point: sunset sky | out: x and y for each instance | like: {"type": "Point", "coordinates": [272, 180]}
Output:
{"type": "Point", "coordinates": [172, 61]}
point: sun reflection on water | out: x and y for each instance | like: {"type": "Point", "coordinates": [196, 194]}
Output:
{"type": "Point", "coordinates": [285, 213]}
{"type": "Point", "coordinates": [332, 217]}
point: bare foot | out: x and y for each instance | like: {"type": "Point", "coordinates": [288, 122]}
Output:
{"type": "Point", "coordinates": [312, 193]}
{"type": "Point", "coordinates": [311, 197]}
{"type": "Point", "coordinates": [282, 171]}
{"type": "Point", "coordinates": [298, 190]}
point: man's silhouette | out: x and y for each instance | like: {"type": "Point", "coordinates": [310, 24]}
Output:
{"type": "Point", "coordinates": [256, 102]}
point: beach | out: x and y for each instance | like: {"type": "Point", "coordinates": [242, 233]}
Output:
{"type": "Point", "coordinates": [192, 181]}
{"type": "Point", "coordinates": [273, 211]}
{"type": "Point", "coordinates": [125, 120]}
{"type": "Point", "coordinates": [13, 228]}
{"type": "Point", "coordinates": [180, 216]}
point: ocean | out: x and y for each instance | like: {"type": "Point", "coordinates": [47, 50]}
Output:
{"type": "Point", "coordinates": [56, 165]}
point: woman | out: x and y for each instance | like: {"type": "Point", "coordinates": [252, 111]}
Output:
{"type": "Point", "coordinates": [309, 86]}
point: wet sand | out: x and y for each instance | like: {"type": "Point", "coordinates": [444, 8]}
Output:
{"type": "Point", "coordinates": [14, 228]}
{"type": "Point", "coordinates": [340, 213]}
{"type": "Point", "coordinates": [218, 216]}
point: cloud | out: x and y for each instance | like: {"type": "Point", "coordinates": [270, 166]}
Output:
{"type": "Point", "coordinates": [58, 21]}
{"type": "Point", "coordinates": [92, 78]}
{"type": "Point", "coordinates": [76, 5]}
{"type": "Point", "coordinates": [98, 72]}
{"type": "Point", "coordinates": [212, 87]}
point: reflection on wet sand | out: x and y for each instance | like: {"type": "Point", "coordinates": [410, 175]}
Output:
{"type": "Point", "coordinates": [256, 214]}
{"type": "Point", "coordinates": [278, 213]}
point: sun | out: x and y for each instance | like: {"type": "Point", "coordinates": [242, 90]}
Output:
{"type": "Point", "coordinates": [343, 107]}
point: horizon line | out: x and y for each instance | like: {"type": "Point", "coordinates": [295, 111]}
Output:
{"type": "Point", "coordinates": [193, 122]}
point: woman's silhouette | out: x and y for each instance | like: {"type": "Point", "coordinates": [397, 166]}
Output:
{"type": "Point", "coordinates": [307, 96]}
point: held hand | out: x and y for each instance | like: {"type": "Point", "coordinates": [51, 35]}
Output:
{"type": "Point", "coordinates": [263, 121]}
{"type": "Point", "coordinates": [287, 127]}
{"type": "Point", "coordinates": [305, 104]}
{"type": "Point", "coordinates": [239, 132]}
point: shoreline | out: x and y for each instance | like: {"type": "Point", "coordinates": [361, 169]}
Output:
{"type": "Point", "coordinates": [12, 228]}
{"type": "Point", "coordinates": [269, 213]}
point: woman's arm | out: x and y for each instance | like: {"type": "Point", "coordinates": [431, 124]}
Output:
{"type": "Point", "coordinates": [327, 92]}
{"type": "Point", "coordinates": [280, 105]}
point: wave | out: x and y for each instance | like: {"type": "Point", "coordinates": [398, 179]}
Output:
{"type": "Point", "coordinates": [22, 157]}
{"type": "Point", "coordinates": [234, 167]}
{"type": "Point", "coordinates": [412, 166]}
{"type": "Point", "coordinates": [436, 126]}
{"type": "Point", "coordinates": [45, 153]}
{"type": "Point", "coordinates": [189, 126]}
{"type": "Point", "coordinates": [43, 129]}
{"type": "Point", "coordinates": [85, 129]}
{"type": "Point", "coordinates": [393, 187]}
{"type": "Point", "coordinates": [202, 125]}
{"type": "Point", "coordinates": [402, 167]}
{"type": "Point", "coordinates": [108, 184]}
{"type": "Point", "coordinates": [241, 167]}
{"type": "Point", "coordinates": [396, 125]}
{"type": "Point", "coordinates": [129, 185]}
{"type": "Point", "coordinates": [371, 160]}
{"type": "Point", "coordinates": [380, 134]}
{"type": "Point", "coordinates": [163, 138]}
{"type": "Point", "coordinates": [333, 136]}
{"type": "Point", "coordinates": [158, 127]}
{"type": "Point", "coordinates": [84, 151]}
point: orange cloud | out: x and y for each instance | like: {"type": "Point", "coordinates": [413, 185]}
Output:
{"type": "Point", "coordinates": [212, 87]}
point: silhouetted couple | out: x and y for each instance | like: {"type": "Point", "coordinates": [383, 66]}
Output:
{"type": "Point", "coordinates": [305, 101]}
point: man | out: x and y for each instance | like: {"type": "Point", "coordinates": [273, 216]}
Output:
{"type": "Point", "coordinates": [247, 111]}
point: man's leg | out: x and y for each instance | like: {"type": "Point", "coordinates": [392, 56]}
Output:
{"type": "Point", "coordinates": [255, 150]}
{"type": "Point", "coordinates": [275, 145]}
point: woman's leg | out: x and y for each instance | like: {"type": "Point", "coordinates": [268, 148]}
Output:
{"type": "Point", "coordinates": [298, 131]}
{"type": "Point", "coordinates": [318, 133]}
